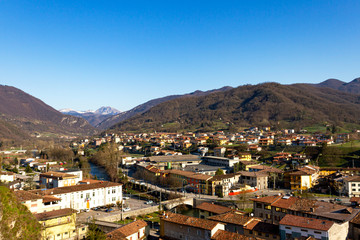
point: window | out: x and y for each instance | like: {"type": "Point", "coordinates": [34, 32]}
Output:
{"type": "Point", "coordinates": [317, 232]}
{"type": "Point", "coordinates": [82, 195]}
{"type": "Point", "coordinates": [58, 235]}
{"type": "Point", "coordinates": [261, 215]}
{"type": "Point", "coordinates": [304, 230]}
{"type": "Point", "coordinates": [73, 231]}
{"type": "Point", "coordinates": [267, 207]}
{"type": "Point", "coordinates": [287, 227]}
{"type": "Point", "coordinates": [268, 216]}
{"type": "Point", "coordinates": [353, 185]}
{"type": "Point", "coordinates": [277, 209]}
{"type": "Point", "coordinates": [354, 190]}
{"type": "Point", "coordinates": [258, 205]}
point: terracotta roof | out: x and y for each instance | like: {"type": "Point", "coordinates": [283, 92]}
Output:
{"type": "Point", "coordinates": [225, 235]}
{"type": "Point", "coordinates": [356, 219]}
{"type": "Point", "coordinates": [213, 208]}
{"type": "Point", "coordinates": [327, 210]}
{"type": "Point", "coordinates": [355, 199]}
{"type": "Point", "coordinates": [231, 217]}
{"type": "Point", "coordinates": [252, 174]}
{"type": "Point", "coordinates": [189, 221]}
{"type": "Point", "coordinates": [352, 179]}
{"type": "Point", "coordinates": [7, 173]}
{"type": "Point", "coordinates": [304, 222]}
{"type": "Point", "coordinates": [188, 174]}
{"type": "Point", "coordinates": [26, 195]}
{"type": "Point", "coordinates": [75, 188]}
{"type": "Point", "coordinates": [127, 230]}
{"type": "Point", "coordinates": [263, 227]}
{"type": "Point", "coordinates": [48, 198]}
{"type": "Point", "coordinates": [54, 214]}
{"type": "Point", "coordinates": [90, 181]}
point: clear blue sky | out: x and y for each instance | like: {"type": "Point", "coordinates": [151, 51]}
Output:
{"type": "Point", "coordinates": [87, 54]}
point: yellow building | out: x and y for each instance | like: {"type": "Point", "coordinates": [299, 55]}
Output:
{"type": "Point", "coordinates": [302, 178]}
{"type": "Point", "coordinates": [60, 224]}
{"type": "Point", "coordinates": [245, 156]}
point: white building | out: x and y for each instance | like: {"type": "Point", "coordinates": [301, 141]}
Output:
{"type": "Point", "coordinates": [351, 186]}
{"type": "Point", "coordinates": [7, 177]}
{"type": "Point", "coordinates": [59, 179]}
{"type": "Point", "coordinates": [85, 196]}
{"type": "Point", "coordinates": [292, 226]}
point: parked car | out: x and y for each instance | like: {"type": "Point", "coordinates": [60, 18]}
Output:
{"type": "Point", "coordinates": [95, 208]}
{"type": "Point", "coordinates": [126, 198]}
{"type": "Point", "coordinates": [85, 210]}
{"type": "Point", "coordinates": [126, 209]}
{"type": "Point", "coordinates": [149, 202]}
{"type": "Point", "coordinates": [109, 210]}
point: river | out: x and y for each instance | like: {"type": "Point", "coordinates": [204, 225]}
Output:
{"type": "Point", "coordinates": [99, 172]}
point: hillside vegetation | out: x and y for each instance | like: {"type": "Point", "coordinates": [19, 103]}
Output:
{"type": "Point", "coordinates": [22, 115]}
{"type": "Point", "coordinates": [273, 104]}
{"type": "Point", "coordinates": [16, 221]}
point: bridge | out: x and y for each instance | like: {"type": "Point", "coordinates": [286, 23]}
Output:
{"type": "Point", "coordinates": [165, 205]}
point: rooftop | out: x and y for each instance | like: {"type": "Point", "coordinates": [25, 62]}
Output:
{"type": "Point", "coordinates": [213, 208]}
{"type": "Point", "coordinates": [305, 222]}
{"type": "Point", "coordinates": [54, 214]}
{"type": "Point", "coordinates": [127, 230]}
{"type": "Point", "coordinates": [189, 221]}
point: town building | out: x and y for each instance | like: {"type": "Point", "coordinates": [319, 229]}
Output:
{"type": "Point", "coordinates": [295, 227]}
{"type": "Point", "coordinates": [177, 226]}
{"type": "Point", "coordinates": [135, 230]}
{"type": "Point", "coordinates": [60, 224]}
{"type": "Point", "coordinates": [85, 196]}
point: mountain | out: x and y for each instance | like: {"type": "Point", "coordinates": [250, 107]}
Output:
{"type": "Point", "coordinates": [108, 122]}
{"type": "Point", "coordinates": [296, 105]}
{"type": "Point", "coordinates": [350, 87]}
{"type": "Point", "coordinates": [93, 117]}
{"type": "Point", "coordinates": [22, 115]}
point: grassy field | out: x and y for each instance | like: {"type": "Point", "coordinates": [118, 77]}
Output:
{"type": "Point", "coordinates": [154, 217]}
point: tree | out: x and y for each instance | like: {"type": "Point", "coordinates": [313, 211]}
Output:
{"type": "Point", "coordinates": [28, 169]}
{"type": "Point", "coordinates": [219, 172]}
{"type": "Point", "coordinates": [94, 233]}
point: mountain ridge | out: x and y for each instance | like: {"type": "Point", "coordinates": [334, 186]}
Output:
{"type": "Point", "coordinates": [293, 105]}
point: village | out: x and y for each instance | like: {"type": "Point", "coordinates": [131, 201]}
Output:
{"type": "Point", "coordinates": [257, 184]}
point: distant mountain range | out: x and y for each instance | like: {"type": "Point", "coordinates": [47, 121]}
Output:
{"type": "Point", "coordinates": [108, 122]}
{"type": "Point", "coordinates": [22, 116]}
{"type": "Point", "coordinates": [227, 108]}
{"type": "Point", "coordinates": [93, 117]}
{"type": "Point", "coordinates": [273, 104]}
{"type": "Point", "coordinates": [350, 87]}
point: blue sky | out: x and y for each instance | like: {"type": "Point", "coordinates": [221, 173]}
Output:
{"type": "Point", "coordinates": [87, 54]}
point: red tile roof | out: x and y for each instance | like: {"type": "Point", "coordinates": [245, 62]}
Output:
{"type": "Point", "coordinates": [127, 230]}
{"type": "Point", "coordinates": [54, 214]}
{"type": "Point", "coordinates": [213, 208]}
{"type": "Point", "coordinates": [231, 217]}
{"type": "Point", "coordinates": [189, 221]}
{"type": "Point", "coordinates": [304, 222]}
{"type": "Point", "coordinates": [225, 235]}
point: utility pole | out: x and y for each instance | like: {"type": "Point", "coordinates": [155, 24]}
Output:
{"type": "Point", "coordinates": [160, 201]}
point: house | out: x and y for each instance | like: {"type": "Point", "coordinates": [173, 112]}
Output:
{"type": "Point", "coordinates": [177, 226]}
{"type": "Point", "coordinates": [58, 179]}
{"type": "Point", "coordinates": [206, 209]}
{"type": "Point", "coordinates": [234, 221]}
{"type": "Point", "coordinates": [220, 185]}
{"type": "Point", "coordinates": [219, 151]}
{"type": "Point", "coordinates": [266, 142]}
{"type": "Point", "coordinates": [60, 224]}
{"type": "Point", "coordinates": [302, 178]}
{"type": "Point", "coordinates": [135, 230]}
{"type": "Point", "coordinates": [274, 208]}
{"type": "Point", "coordinates": [244, 156]}
{"type": "Point", "coordinates": [351, 186]}
{"type": "Point", "coordinates": [257, 180]}
{"type": "Point", "coordinates": [260, 229]}
{"type": "Point", "coordinates": [195, 182]}
{"type": "Point", "coordinates": [7, 176]}
{"type": "Point", "coordinates": [294, 227]}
